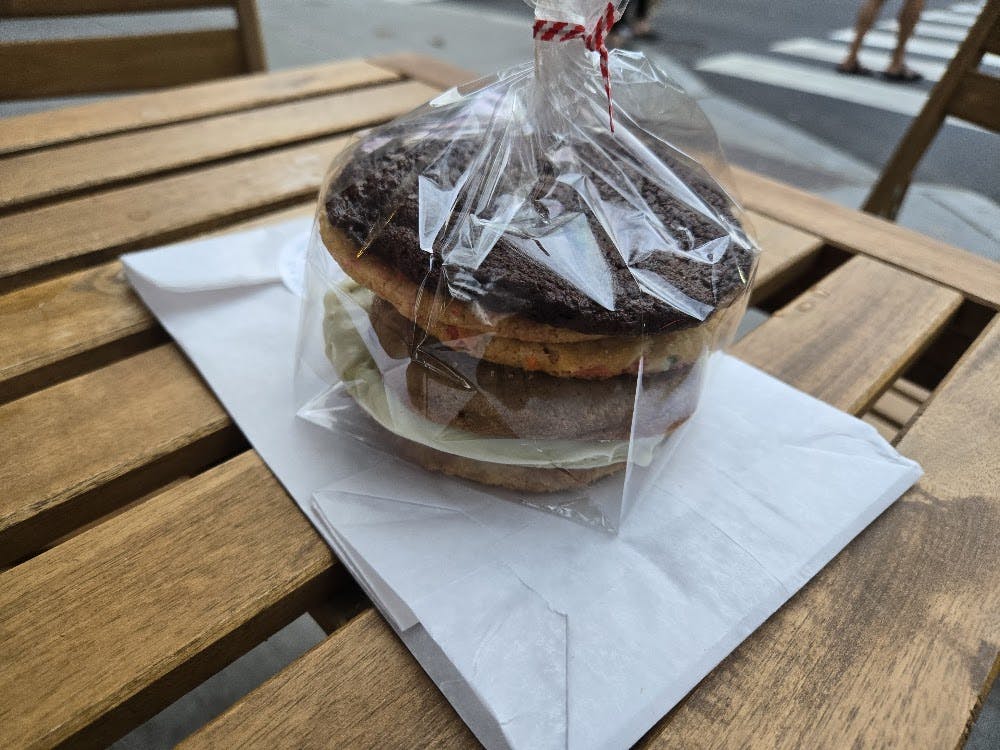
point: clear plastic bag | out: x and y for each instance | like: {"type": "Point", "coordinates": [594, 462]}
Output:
{"type": "Point", "coordinates": [502, 288]}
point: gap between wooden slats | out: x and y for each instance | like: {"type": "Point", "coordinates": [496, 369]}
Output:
{"type": "Point", "coordinates": [382, 698]}
{"type": "Point", "coordinates": [896, 407]}
{"type": "Point", "coordinates": [61, 171]}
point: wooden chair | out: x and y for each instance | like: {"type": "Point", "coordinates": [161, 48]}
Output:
{"type": "Point", "coordinates": [963, 92]}
{"type": "Point", "coordinates": [67, 67]}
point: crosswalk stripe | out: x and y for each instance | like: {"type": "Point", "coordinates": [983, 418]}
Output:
{"type": "Point", "coordinates": [832, 52]}
{"type": "Point", "coordinates": [972, 9]}
{"type": "Point", "coordinates": [917, 46]}
{"type": "Point", "coordinates": [946, 16]}
{"type": "Point", "coordinates": [933, 30]}
{"type": "Point", "coordinates": [814, 81]}
{"type": "Point", "coordinates": [808, 79]}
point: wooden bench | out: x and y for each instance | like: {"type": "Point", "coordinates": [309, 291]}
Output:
{"type": "Point", "coordinates": [46, 68]}
{"type": "Point", "coordinates": [144, 545]}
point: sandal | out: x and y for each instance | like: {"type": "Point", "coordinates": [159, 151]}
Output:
{"type": "Point", "coordinates": [853, 70]}
{"type": "Point", "coordinates": [902, 76]}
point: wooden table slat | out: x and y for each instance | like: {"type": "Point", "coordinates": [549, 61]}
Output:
{"type": "Point", "coordinates": [53, 329]}
{"type": "Point", "coordinates": [974, 276]}
{"type": "Point", "coordinates": [851, 335]}
{"type": "Point", "coordinates": [891, 644]}
{"type": "Point", "coordinates": [67, 443]}
{"type": "Point", "coordinates": [430, 70]}
{"type": "Point", "coordinates": [885, 429]}
{"type": "Point", "coordinates": [61, 170]}
{"type": "Point", "coordinates": [911, 390]}
{"type": "Point", "coordinates": [122, 114]}
{"type": "Point", "coordinates": [106, 629]}
{"type": "Point", "coordinates": [895, 407]}
{"type": "Point", "coordinates": [373, 694]}
{"type": "Point", "coordinates": [91, 229]}
{"type": "Point", "coordinates": [785, 253]}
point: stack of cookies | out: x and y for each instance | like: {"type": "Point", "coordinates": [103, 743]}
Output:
{"type": "Point", "coordinates": [577, 360]}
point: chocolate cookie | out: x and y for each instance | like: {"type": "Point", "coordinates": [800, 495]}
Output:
{"type": "Point", "coordinates": [518, 478]}
{"type": "Point", "coordinates": [374, 201]}
{"type": "Point", "coordinates": [519, 342]}
{"type": "Point", "coordinates": [482, 398]}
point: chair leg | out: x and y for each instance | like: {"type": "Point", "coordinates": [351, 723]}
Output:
{"type": "Point", "coordinates": [249, 28]}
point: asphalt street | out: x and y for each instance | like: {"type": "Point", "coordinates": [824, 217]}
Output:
{"type": "Point", "coordinates": [778, 56]}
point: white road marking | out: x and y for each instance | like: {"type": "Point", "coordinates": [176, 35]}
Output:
{"type": "Point", "coordinates": [812, 80]}
{"type": "Point", "coordinates": [932, 30]}
{"type": "Point", "coordinates": [832, 52]}
{"type": "Point", "coordinates": [916, 46]}
{"type": "Point", "coordinates": [889, 97]}
{"type": "Point", "coordinates": [973, 9]}
{"type": "Point", "coordinates": [945, 16]}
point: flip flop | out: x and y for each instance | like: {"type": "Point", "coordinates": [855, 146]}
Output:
{"type": "Point", "coordinates": [903, 76]}
{"type": "Point", "coordinates": [853, 70]}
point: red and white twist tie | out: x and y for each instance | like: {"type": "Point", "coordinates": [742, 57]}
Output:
{"type": "Point", "coordinates": [560, 31]}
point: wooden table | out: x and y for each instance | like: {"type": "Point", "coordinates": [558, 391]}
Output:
{"type": "Point", "coordinates": [143, 545]}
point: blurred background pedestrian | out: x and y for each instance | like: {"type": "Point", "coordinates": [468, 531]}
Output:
{"type": "Point", "coordinates": [635, 23]}
{"type": "Point", "coordinates": [897, 71]}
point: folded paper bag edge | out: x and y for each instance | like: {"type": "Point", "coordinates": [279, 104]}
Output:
{"type": "Point", "coordinates": [237, 259]}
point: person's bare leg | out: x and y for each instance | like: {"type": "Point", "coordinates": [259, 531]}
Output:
{"type": "Point", "coordinates": [640, 17]}
{"type": "Point", "coordinates": [909, 14]}
{"type": "Point", "coordinates": [867, 15]}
